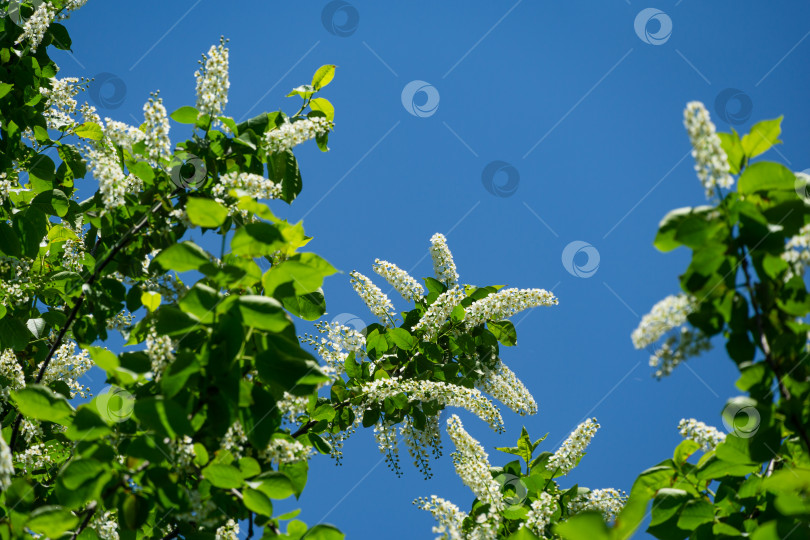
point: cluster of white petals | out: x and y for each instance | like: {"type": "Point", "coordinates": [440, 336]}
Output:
{"type": "Point", "coordinates": [68, 366]}
{"type": "Point", "coordinates": [291, 134]}
{"type": "Point", "coordinates": [291, 407]}
{"type": "Point", "coordinates": [376, 300]}
{"type": "Point", "coordinates": [447, 395]}
{"type": "Point", "coordinates": [16, 286]}
{"type": "Point", "coordinates": [797, 253]}
{"type": "Point", "coordinates": [229, 531]}
{"type": "Point", "coordinates": [35, 27]}
{"type": "Point", "coordinates": [6, 465]}
{"type": "Point", "coordinates": [443, 265]}
{"type": "Point", "coordinates": [711, 161]}
{"type": "Point", "coordinates": [34, 457]}
{"type": "Point", "coordinates": [284, 451]}
{"type": "Point", "coordinates": [72, 5]}
{"type": "Point", "coordinates": [609, 502]}
{"type": "Point", "coordinates": [502, 384]}
{"type": "Point", "coordinates": [106, 526]}
{"type": "Point", "coordinates": [419, 441]}
{"type": "Point", "coordinates": [447, 514]}
{"type": "Point", "coordinates": [156, 119]}
{"type": "Point", "coordinates": [503, 304]}
{"type": "Point", "coordinates": [407, 286]}
{"type": "Point", "coordinates": [472, 465]}
{"type": "Point", "coordinates": [182, 451]}
{"type": "Point", "coordinates": [212, 80]}
{"type": "Point", "coordinates": [31, 430]}
{"type": "Point", "coordinates": [335, 348]}
{"type": "Point", "coordinates": [436, 315]}
{"type": "Point", "coordinates": [159, 349]}
{"type": "Point", "coordinates": [540, 514]}
{"type": "Point", "coordinates": [567, 456]}
{"type": "Point", "coordinates": [666, 315]}
{"type": "Point", "coordinates": [10, 369]}
{"type": "Point", "coordinates": [234, 440]}
{"type": "Point", "coordinates": [113, 184]}
{"type": "Point", "coordinates": [6, 186]}
{"type": "Point", "coordinates": [385, 433]}
{"type": "Point", "coordinates": [684, 344]}
{"type": "Point", "coordinates": [254, 185]}
{"type": "Point", "coordinates": [122, 134]}
{"type": "Point", "coordinates": [60, 105]}
{"type": "Point", "coordinates": [707, 437]}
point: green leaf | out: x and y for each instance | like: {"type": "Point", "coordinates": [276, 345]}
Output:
{"type": "Point", "coordinates": [323, 105]}
{"type": "Point", "coordinates": [734, 150]}
{"type": "Point", "coordinates": [258, 502]}
{"type": "Point", "coordinates": [523, 534]}
{"type": "Point", "coordinates": [150, 300]}
{"type": "Point", "coordinates": [289, 368]}
{"type": "Point", "coordinates": [182, 257]}
{"type": "Point", "coordinates": [87, 426]}
{"type": "Point", "coordinates": [283, 168]}
{"type": "Point", "coordinates": [401, 338]}
{"type": "Point", "coordinates": [762, 136]}
{"type": "Point", "coordinates": [323, 531]}
{"type": "Point", "coordinates": [89, 130]}
{"type": "Point", "coordinates": [695, 513]}
{"type": "Point", "coordinates": [205, 212]}
{"type": "Point", "coordinates": [320, 445]}
{"type": "Point", "coordinates": [223, 476]}
{"type": "Point", "coordinates": [274, 484]}
{"type": "Point", "coordinates": [305, 91]}
{"type": "Point", "coordinates": [41, 403]}
{"type": "Point", "coordinates": [52, 521]}
{"type": "Point", "coordinates": [185, 115]}
{"type": "Point", "coordinates": [201, 301]}
{"type": "Point", "coordinates": [297, 473]}
{"type": "Point", "coordinates": [52, 202]}
{"type": "Point", "coordinates": [584, 526]}
{"type": "Point", "coordinates": [665, 239]}
{"type": "Point", "coordinates": [766, 176]}
{"type": "Point", "coordinates": [263, 313]}
{"type": "Point", "coordinates": [257, 240]}
{"type": "Point", "coordinates": [323, 76]}
{"type": "Point", "coordinates": [165, 416]}
{"type": "Point", "coordinates": [504, 331]}
{"type": "Point", "coordinates": [305, 271]}
{"type": "Point", "coordinates": [5, 88]}
{"type": "Point", "coordinates": [61, 38]}
{"type": "Point", "coordinates": [685, 449]}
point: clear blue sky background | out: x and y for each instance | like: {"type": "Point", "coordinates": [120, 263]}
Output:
{"type": "Point", "coordinates": [587, 113]}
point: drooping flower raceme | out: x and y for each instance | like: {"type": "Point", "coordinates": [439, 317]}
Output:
{"type": "Point", "coordinates": [503, 304]}
{"type": "Point", "coordinates": [707, 437]}
{"type": "Point", "coordinates": [212, 80]}
{"type": "Point", "coordinates": [254, 185]}
{"type": "Point", "coordinates": [157, 140]}
{"type": "Point", "coordinates": [666, 315]}
{"type": "Point", "coordinates": [159, 350]}
{"type": "Point", "coordinates": [502, 384]}
{"type": "Point", "coordinates": [684, 344]}
{"type": "Point", "coordinates": [472, 465]}
{"type": "Point", "coordinates": [60, 105]}
{"type": "Point", "coordinates": [105, 525]}
{"type": "Point", "coordinates": [419, 441]}
{"type": "Point", "coordinates": [113, 184]}
{"type": "Point", "coordinates": [10, 369]}
{"type": "Point", "coordinates": [376, 300]}
{"type": "Point", "coordinates": [448, 395]}
{"type": "Point", "coordinates": [711, 161]}
{"type": "Point", "coordinates": [566, 458]}
{"type": "Point", "coordinates": [35, 27]}
{"type": "Point", "coordinates": [291, 134]}
{"type": "Point", "coordinates": [68, 366]}
{"type": "Point", "coordinates": [540, 514]}
{"type": "Point", "coordinates": [438, 312]}
{"type": "Point", "coordinates": [446, 514]}
{"type": "Point", "coordinates": [443, 265]}
{"type": "Point", "coordinates": [335, 348]}
{"type": "Point", "coordinates": [609, 502]}
{"type": "Point", "coordinates": [284, 451]}
{"type": "Point", "coordinates": [408, 287]}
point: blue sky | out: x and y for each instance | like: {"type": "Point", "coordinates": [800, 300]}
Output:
{"type": "Point", "coordinates": [585, 115]}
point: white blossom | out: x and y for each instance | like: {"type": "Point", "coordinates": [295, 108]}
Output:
{"type": "Point", "coordinates": [707, 437]}
{"type": "Point", "coordinates": [336, 347]}
{"type": "Point", "coordinates": [284, 451]}
{"type": "Point", "coordinates": [609, 502]}
{"type": "Point", "coordinates": [159, 350]}
{"type": "Point", "coordinates": [6, 186]}
{"type": "Point", "coordinates": [6, 465]}
{"type": "Point", "coordinates": [105, 525]}
{"type": "Point", "coordinates": [376, 300]}
{"type": "Point", "coordinates": [443, 265]}
{"type": "Point", "coordinates": [567, 456]}
{"type": "Point", "coordinates": [506, 303]}
{"type": "Point", "coordinates": [254, 185]}
{"type": "Point", "coordinates": [229, 531]}
{"type": "Point", "coordinates": [212, 80]}
{"type": "Point", "coordinates": [540, 514]}
{"type": "Point", "coordinates": [683, 344]}
{"type": "Point", "coordinates": [35, 457]}
{"type": "Point", "coordinates": [502, 384]}
{"type": "Point", "coordinates": [385, 433]}
{"type": "Point", "coordinates": [447, 514]}
{"type": "Point", "coordinates": [472, 465]}
{"type": "Point", "coordinates": [68, 366]}
{"type": "Point", "coordinates": [408, 287]}
{"type": "Point", "coordinates": [234, 440]}
{"type": "Point", "coordinates": [291, 134]}
{"type": "Point", "coordinates": [419, 441]}
{"type": "Point", "coordinates": [291, 407]}
{"type": "Point", "coordinates": [667, 314]}
{"type": "Point", "coordinates": [113, 184]}
{"type": "Point", "coordinates": [436, 315]}
{"type": "Point", "coordinates": [157, 140]}
{"type": "Point", "coordinates": [16, 285]}
{"type": "Point", "coordinates": [182, 452]}
{"type": "Point", "coordinates": [35, 27]}
{"type": "Point", "coordinates": [10, 369]}
{"type": "Point", "coordinates": [122, 134]}
{"type": "Point", "coordinates": [797, 253]}
{"type": "Point", "coordinates": [711, 161]}
{"type": "Point", "coordinates": [60, 105]}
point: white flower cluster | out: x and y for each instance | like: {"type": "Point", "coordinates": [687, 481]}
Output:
{"type": "Point", "coordinates": [540, 514]}
{"type": "Point", "coordinates": [34, 457]}
{"type": "Point", "coordinates": [385, 433]}
{"type": "Point", "coordinates": [254, 185]}
{"type": "Point", "coordinates": [157, 140]}
{"type": "Point", "coordinates": [10, 369]}
{"type": "Point", "coordinates": [6, 186]}
{"type": "Point", "coordinates": [291, 407]}
{"type": "Point", "coordinates": [212, 80]}
{"type": "Point", "coordinates": [234, 440]}
{"type": "Point", "coordinates": [503, 304]}
{"type": "Point", "coordinates": [6, 465]}
{"type": "Point", "coordinates": [797, 253]}
{"type": "Point", "coordinates": [436, 315]}
{"type": "Point", "coordinates": [376, 300]}
{"type": "Point", "coordinates": [60, 105]}
{"type": "Point", "coordinates": [68, 366]}
{"type": "Point", "coordinates": [711, 161]}
{"type": "Point", "coordinates": [443, 265]}
{"type": "Point", "coordinates": [446, 514]}
{"type": "Point", "coordinates": [122, 134]}
{"type": "Point", "coordinates": [35, 27]}
{"type": "Point", "coordinates": [341, 340]}
{"type": "Point", "coordinates": [105, 525]}
{"type": "Point", "coordinates": [15, 285]}
{"type": "Point", "coordinates": [447, 395]}
{"type": "Point", "coordinates": [472, 465]}
{"type": "Point", "coordinates": [707, 437]}
{"type": "Point", "coordinates": [408, 287]}
{"type": "Point", "coordinates": [182, 452]}
{"type": "Point", "coordinates": [666, 315]}
{"type": "Point", "coordinates": [567, 456]}
{"type": "Point", "coordinates": [159, 350]}
{"type": "Point", "coordinates": [31, 430]}
{"type": "Point", "coordinates": [609, 502]}
{"type": "Point", "coordinates": [284, 451]}
{"type": "Point", "coordinates": [72, 5]}
{"type": "Point", "coordinates": [336, 440]}
{"type": "Point", "coordinates": [113, 184]}
{"type": "Point", "coordinates": [419, 441]}
{"type": "Point", "coordinates": [229, 531]}
{"type": "Point", "coordinates": [291, 134]}
{"type": "Point", "coordinates": [502, 384]}
{"type": "Point", "coordinates": [676, 349]}
{"type": "Point", "coordinates": [121, 321]}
